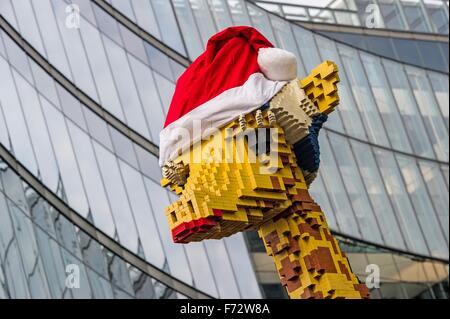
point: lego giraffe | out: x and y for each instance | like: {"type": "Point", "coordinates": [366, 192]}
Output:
{"type": "Point", "coordinates": [229, 192]}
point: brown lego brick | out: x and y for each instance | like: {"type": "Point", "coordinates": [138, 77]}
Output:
{"type": "Point", "coordinates": [363, 290]}
{"type": "Point", "coordinates": [288, 181]}
{"type": "Point", "coordinates": [291, 285]}
{"type": "Point", "coordinates": [290, 269]}
{"type": "Point", "coordinates": [290, 274]}
{"type": "Point", "coordinates": [304, 195]}
{"type": "Point", "coordinates": [320, 260]}
{"type": "Point", "coordinates": [275, 182]}
{"type": "Point", "coordinates": [344, 270]}
{"type": "Point", "coordinates": [306, 228]}
{"type": "Point", "coordinates": [310, 294]}
{"type": "Point", "coordinates": [294, 248]}
{"type": "Point", "coordinates": [330, 238]}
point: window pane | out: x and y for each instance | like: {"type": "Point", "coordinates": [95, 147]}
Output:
{"type": "Point", "coordinates": [336, 190]}
{"type": "Point", "coordinates": [396, 189]}
{"type": "Point", "coordinates": [363, 96]}
{"type": "Point", "coordinates": [430, 112]}
{"type": "Point", "coordinates": [374, 185]}
{"type": "Point", "coordinates": [386, 103]}
{"type": "Point", "coordinates": [408, 109]}
{"type": "Point", "coordinates": [347, 108]}
{"type": "Point", "coordinates": [118, 199]}
{"type": "Point", "coordinates": [423, 207]}
{"type": "Point", "coordinates": [439, 82]}
{"type": "Point", "coordinates": [438, 190]}
{"type": "Point", "coordinates": [95, 191]}
{"type": "Point", "coordinates": [355, 188]}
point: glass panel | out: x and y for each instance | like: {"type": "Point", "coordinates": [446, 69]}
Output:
{"type": "Point", "coordinates": [123, 147]}
{"type": "Point", "coordinates": [99, 203]}
{"type": "Point", "coordinates": [319, 193]}
{"type": "Point", "coordinates": [71, 107]}
{"type": "Point", "coordinates": [347, 108]}
{"type": "Point", "coordinates": [355, 188]}
{"type": "Point", "coordinates": [145, 17]}
{"type": "Point", "coordinates": [24, 233]}
{"type": "Point", "coordinates": [336, 190]}
{"type": "Point", "coordinates": [201, 268]}
{"type": "Point", "coordinates": [72, 184]}
{"type": "Point", "coordinates": [396, 189]}
{"type": "Point", "coordinates": [100, 69]}
{"type": "Point", "coordinates": [386, 103]}
{"type": "Point", "coordinates": [204, 20]}
{"type": "Point", "coordinates": [75, 51]}
{"type": "Point", "coordinates": [430, 112]}
{"type": "Point", "coordinates": [431, 55]}
{"type": "Point", "coordinates": [391, 15]}
{"type": "Point", "coordinates": [321, 15]}
{"type": "Point", "coordinates": [222, 269]}
{"type": "Point", "coordinates": [145, 223]}
{"type": "Point", "coordinates": [438, 191]}
{"type": "Point", "coordinates": [189, 28]}
{"type": "Point", "coordinates": [107, 25]}
{"type": "Point", "coordinates": [126, 88]}
{"type": "Point", "coordinates": [221, 13]}
{"type": "Point", "coordinates": [408, 109]}
{"type": "Point", "coordinates": [48, 169]}
{"type": "Point", "coordinates": [167, 22]}
{"type": "Point", "coordinates": [44, 83]}
{"type": "Point", "coordinates": [117, 197]}
{"type": "Point", "coordinates": [133, 44]}
{"type": "Point", "coordinates": [381, 45]}
{"type": "Point", "coordinates": [10, 103]}
{"type": "Point", "coordinates": [414, 15]}
{"type": "Point", "coordinates": [17, 58]}
{"type": "Point", "coordinates": [242, 266]}
{"type": "Point", "coordinates": [6, 9]}
{"type": "Point", "coordinates": [407, 51]}
{"type": "Point", "coordinates": [97, 128]}
{"type": "Point", "coordinates": [380, 202]}
{"type": "Point", "coordinates": [149, 97]}
{"type": "Point", "coordinates": [423, 207]}
{"type": "Point", "coordinates": [27, 23]}
{"type": "Point", "coordinates": [437, 15]}
{"type": "Point", "coordinates": [439, 82]}
{"type": "Point", "coordinates": [363, 96]}
{"type": "Point", "coordinates": [309, 53]}
{"type": "Point", "coordinates": [260, 21]}
{"type": "Point", "coordinates": [239, 12]}
{"type": "Point", "coordinates": [54, 49]}
{"type": "Point", "coordinates": [175, 254]}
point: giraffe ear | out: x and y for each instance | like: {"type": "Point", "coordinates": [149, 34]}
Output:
{"type": "Point", "coordinates": [277, 64]}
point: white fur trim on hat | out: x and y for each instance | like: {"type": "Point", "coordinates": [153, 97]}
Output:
{"type": "Point", "coordinates": [215, 113]}
{"type": "Point", "coordinates": [277, 64]}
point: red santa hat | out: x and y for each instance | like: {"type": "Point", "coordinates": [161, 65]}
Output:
{"type": "Point", "coordinates": [239, 72]}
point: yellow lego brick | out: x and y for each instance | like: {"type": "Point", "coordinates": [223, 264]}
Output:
{"type": "Point", "coordinates": [321, 86]}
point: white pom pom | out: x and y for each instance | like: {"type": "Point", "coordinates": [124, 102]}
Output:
{"type": "Point", "coordinates": [277, 64]}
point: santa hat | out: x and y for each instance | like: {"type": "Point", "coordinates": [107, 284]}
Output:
{"type": "Point", "coordinates": [239, 72]}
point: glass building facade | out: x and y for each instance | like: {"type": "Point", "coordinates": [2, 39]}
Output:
{"type": "Point", "coordinates": [84, 89]}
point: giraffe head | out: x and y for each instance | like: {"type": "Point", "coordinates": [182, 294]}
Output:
{"type": "Point", "coordinates": [253, 168]}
